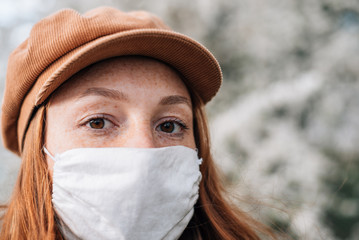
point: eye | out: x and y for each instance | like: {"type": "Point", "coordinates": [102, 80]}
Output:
{"type": "Point", "coordinates": [168, 127]}
{"type": "Point", "coordinates": [97, 123]}
{"type": "Point", "coordinates": [172, 126]}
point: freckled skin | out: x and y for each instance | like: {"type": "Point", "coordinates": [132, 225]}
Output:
{"type": "Point", "coordinates": [132, 123]}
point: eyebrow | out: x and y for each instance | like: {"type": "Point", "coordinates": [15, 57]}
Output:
{"type": "Point", "coordinates": [175, 99]}
{"type": "Point", "coordinates": [105, 92]}
{"type": "Point", "coordinates": [117, 95]}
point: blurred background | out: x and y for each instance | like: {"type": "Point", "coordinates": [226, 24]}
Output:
{"type": "Point", "coordinates": [285, 125]}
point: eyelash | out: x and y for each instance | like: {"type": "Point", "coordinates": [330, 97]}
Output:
{"type": "Point", "coordinates": [181, 124]}
{"type": "Point", "coordinates": [100, 116]}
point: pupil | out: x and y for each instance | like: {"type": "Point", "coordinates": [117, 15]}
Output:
{"type": "Point", "coordinates": [97, 123]}
{"type": "Point", "coordinates": [167, 127]}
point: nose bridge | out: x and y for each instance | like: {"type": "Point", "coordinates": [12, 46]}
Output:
{"type": "Point", "coordinates": [139, 133]}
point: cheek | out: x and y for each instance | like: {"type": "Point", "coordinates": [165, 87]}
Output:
{"type": "Point", "coordinates": [190, 142]}
{"type": "Point", "coordinates": [187, 140]}
{"type": "Point", "coordinates": [57, 131]}
{"type": "Point", "coordinates": [50, 165]}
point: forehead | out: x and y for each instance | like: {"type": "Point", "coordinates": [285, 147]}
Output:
{"type": "Point", "coordinates": [139, 75]}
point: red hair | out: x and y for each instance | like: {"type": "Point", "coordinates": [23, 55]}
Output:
{"type": "Point", "coordinates": [30, 214]}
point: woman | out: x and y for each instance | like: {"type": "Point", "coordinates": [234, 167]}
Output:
{"type": "Point", "coordinates": [106, 110]}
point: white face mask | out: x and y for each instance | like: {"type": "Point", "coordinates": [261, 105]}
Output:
{"type": "Point", "coordinates": [125, 193]}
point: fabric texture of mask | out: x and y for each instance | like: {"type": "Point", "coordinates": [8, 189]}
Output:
{"type": "Point", "coordinates": [125, 193]}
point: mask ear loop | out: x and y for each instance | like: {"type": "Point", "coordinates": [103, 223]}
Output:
{"type": "Point", "coordinates": [48, 153]}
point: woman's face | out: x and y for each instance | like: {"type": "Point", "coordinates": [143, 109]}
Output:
{"type": "Point", "coordinates": [122, 102]}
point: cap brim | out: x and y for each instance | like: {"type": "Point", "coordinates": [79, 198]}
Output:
{"type": "Point", "coordinates": [198, 66]}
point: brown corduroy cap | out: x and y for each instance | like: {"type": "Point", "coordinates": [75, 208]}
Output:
{"type": "Point", "coordinates": [66, 42]}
